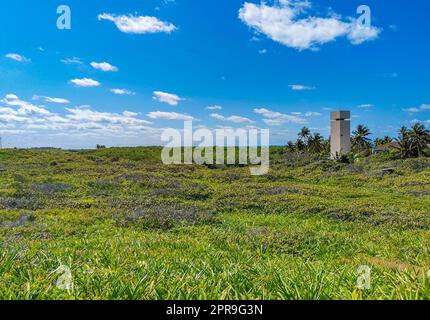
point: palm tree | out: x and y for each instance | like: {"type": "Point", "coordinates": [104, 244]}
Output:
{"type": "Point", "coordinates": [316, 143]}
{"type": "Point", "coordinates": [382, 141]}
{"type": "Point", "coordinates": [360, 140]}
{"type": "Point", "coordinates": [387, 139]}
{"type": "Point", "coordinates": [419, 138]}
{"type": "Point", "coordinates": [404, 143]}
{"type": "Point", "coordinates": [304, 134]}
{"type": "Point", "coordinates": [300, 145]}
{"type": "Point", "coordinates": [291, 147]}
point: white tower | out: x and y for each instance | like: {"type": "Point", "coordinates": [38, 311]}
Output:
{"type": "Point", "coordinates": [340, 140]}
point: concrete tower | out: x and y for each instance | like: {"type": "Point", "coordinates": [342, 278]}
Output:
{"type": "Point", "coordinates": [340, 140]}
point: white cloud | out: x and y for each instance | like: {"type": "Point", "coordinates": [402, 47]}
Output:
{"type": "Point", "coordinates": [421, 108]}
{"type": "Point", "coordinates": [22, 118]}
{"type": "Point", "coordinates": [24, 107]}
{"type": "Point", "coordinates": [238, 119]}
{"type": "Point", "coordinates": [169, 98]}
{"type": "Point", "coordinates": [57, 119]}
{"type": "Point", "coordinates": [300, 87]}
{"type": "Point", "coordinates": [412, 110]}
{"type": "Point", "coordinates": [11, 96]}
{"type": "Point", "coordinates": [8, 118]}
{"type": "Point", "coordinates": [130, 114]}
{"type": "Point", "coordinates": [312, 114]}
{"type": "Point", "coordinates": [359, 34]}
{"type": "Point", "coordinates": [122, 92]}
{"type": "Point", "coordinates": [170, 116]}
{"type": "Point", "coordinates": [235, 119]}
{"type": "Point", "coordinates": [214, 108]}
{"type": "Point", "coordinates": [285, 23]}
{"type": "Point", "coordinates": [6, 110]}
{"type": "Point", "coordinates": [366, 106]}
{"type": "Point", "coordinates": [274, 122]}
{"type": "Point", "coordinates": [51, 100]}
{"type": "Point", "coordinates": [73, 60]}
{"type": "Point", "coordinates": [104, 66]}
{"type": "Point", "coordinates": [88, 115]}
{"type": "Point", "coordinates": [274, 118]}
{"type": "Point", "coordinates": [17, 57]}
{"type": "Point", "coordinates": [138, 24]}
{"type": "Point", "coordinates": [85, 82]}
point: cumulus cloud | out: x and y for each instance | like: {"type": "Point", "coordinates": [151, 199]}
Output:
{"type": "Point", "coordinates": [11, 96]}
{"type": "Point", "coordinates": [122, 92]}
{"type": "Point", "coordinates": [10, 118]}
{"type": "Point", "coordinates": [366, 106]}
{"type": "Point", "coordinates": [21, 117]}
{"type": "Point", "coordinates": [138, 24]}
{"type": "Point", "coordinates": [88, 115]}
{"type": "Point", "coordinates": [273, 118]}
{"type": "Point", "coordinates": [85, 82]}
{"type": "Point", "coordinates": [300, 87]}
{"type": "Point", "coordinates": [51, 100]}
{"type": "Point", "coordinates": [359, 34]}
{"type": "Point", "coordinates": [130, 114]}
{"type": "Point", "coordinates": [17, 57]}
{"type": "Point", "coordinates": [170, 116]}
{"type": "Point", "coordinates": [7, 110]}
{"type": "Point", "coordinates": [169, 98]}
{"type": "Point", "coordinates": [289, 23]}
{"type": "Point", "coordinates": [235, 119]}
{"type": "Point", "coordinates": [104, 66]}
{"type": "Point", "coordinates": [24, 107]}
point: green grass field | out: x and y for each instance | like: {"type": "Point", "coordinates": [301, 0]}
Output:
{"type": "Point", "coordinates": [129, 227]}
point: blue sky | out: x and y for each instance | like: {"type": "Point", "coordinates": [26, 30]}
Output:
{"type": "Point", "coordinates": [278, 65]}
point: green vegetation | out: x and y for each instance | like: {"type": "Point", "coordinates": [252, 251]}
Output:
{"type": "Point", "coordinates": [131, 228]}
{"type": "Point", "coordinates": [410, 143]}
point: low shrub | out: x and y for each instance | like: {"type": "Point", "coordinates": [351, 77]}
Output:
{"type": "Point", "coordinates": [26, 203]}
{"type": "Point", "coordinates": [23, 219]}
{"type": "Point", "coordinates": [167, 217]}
{"type": "Point", "coordinates": [50, 189]}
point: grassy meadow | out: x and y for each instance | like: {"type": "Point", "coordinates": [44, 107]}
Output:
{"type": "Point", "coordinates": [129, 227]}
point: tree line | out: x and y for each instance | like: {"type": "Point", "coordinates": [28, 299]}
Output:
{"type": "Point", "coordinates": [410, 142]}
